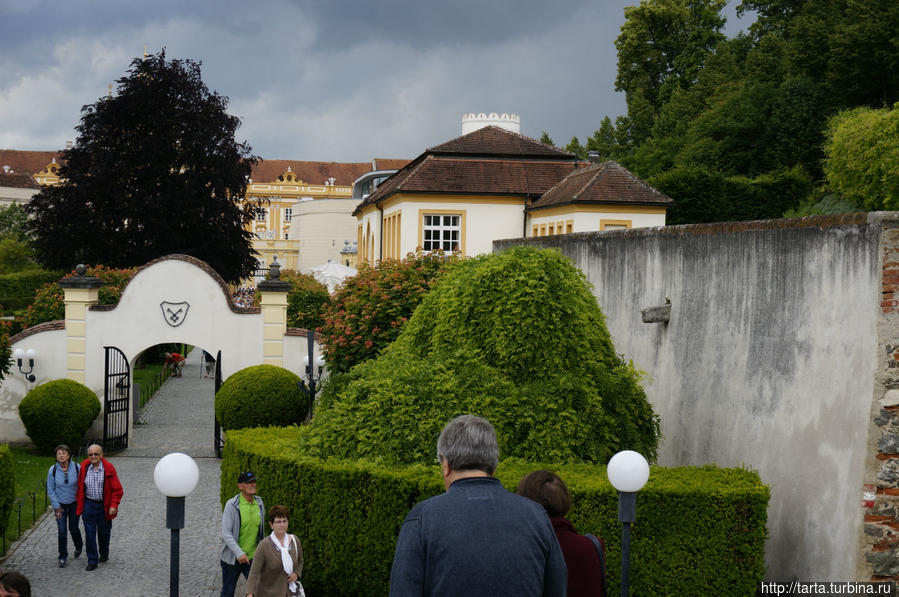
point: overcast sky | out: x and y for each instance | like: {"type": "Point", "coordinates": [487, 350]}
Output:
{"type": "Point", "coordinates": [324, 80]}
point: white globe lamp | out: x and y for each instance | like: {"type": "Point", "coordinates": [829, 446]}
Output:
{"type": "Point", "coordinates": [628, 472]}
{"type": "Point", "coordinates": [175, 476]}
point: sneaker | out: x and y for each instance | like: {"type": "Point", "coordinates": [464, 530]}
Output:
{"type": "Point", "coordinates": [77, 552]}
{"type": "Point", "coordinates": [62, 562]}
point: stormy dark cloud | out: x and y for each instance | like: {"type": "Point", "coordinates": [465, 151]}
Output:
{"type": "Point", "coordinates": [339, 80]}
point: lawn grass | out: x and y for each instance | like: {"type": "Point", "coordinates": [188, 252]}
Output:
{"type": "Point", "coordinates": [30, 471]}
{"type": "Point", "coordinates": [146, 374]}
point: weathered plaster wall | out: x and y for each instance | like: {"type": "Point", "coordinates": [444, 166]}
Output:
{"type": "Point", "coordinates": [769, 360]}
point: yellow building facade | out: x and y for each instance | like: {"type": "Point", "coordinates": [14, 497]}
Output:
{"type": "Point", "coordinates": [307, 219]}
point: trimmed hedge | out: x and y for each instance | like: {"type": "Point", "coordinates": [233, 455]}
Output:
{"type": "Point", "coordinates": [702, 195]}
{"type": "Point", "coordinates": [699, 531]}
{"type": "Point", "coordinates": [258, 396]}
{"type": "Point", "coordinates": [58, 412]}
{"type": "Point", "coordinates": [7, 486]}
{"type": "Point", "coordinates": [17, 290]}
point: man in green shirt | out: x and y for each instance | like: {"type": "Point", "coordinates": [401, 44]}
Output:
{"type": "Point", "coordinates": [242, 530]}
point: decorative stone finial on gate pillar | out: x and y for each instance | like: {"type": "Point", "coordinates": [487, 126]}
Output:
{"type": "Point", "coordinates": [273, 299]}
{"type": "Point", "coordinates": [80, 292]}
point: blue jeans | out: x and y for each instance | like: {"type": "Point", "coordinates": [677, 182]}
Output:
{"type": "Point", "coordinates": [68, 519]}
{"type": "Point", "coordinates": [230, 574]}
{"type": "Point", "coordinates": [96, 529]}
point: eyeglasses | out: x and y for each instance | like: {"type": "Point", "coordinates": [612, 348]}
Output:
{"type": "Point", "coordinates": [93, 453]}
{"type": "Point", "coordinates": [66, 473]}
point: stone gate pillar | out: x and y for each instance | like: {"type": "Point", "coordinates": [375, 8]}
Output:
{"type": "Point", "coordinates": [80, 292]}
{"type": "Point", "coordinates": [273, 299]}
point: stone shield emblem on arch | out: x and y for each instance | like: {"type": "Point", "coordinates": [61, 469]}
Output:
{"type": "Point", "coordinates": [174, 313]}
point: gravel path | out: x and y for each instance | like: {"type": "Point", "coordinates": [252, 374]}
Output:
{"type": "Point", "coordinates": [178, 419]}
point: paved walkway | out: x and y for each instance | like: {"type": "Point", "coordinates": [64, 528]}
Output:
{"type": "Point", "coordinates": [178, 419]}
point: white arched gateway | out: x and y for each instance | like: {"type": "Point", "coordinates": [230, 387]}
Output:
{"type": "Point", "coordinates": [173, 299]}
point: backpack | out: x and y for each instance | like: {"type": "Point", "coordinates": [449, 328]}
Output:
{"type": "Point", "coordinates": [601, 552]}
{"type": "Point", "coordinates": [77, 469]}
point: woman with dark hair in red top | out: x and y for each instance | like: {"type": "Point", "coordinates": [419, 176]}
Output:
{"type": "Point", "coordinates": [585, 571]}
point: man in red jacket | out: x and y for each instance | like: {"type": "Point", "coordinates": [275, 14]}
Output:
{"type": "Point", "coordinates": [175, 361]}
{"type": "Point", "coordinates": [98, 498]}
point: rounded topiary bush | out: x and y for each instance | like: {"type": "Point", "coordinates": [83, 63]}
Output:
{"type": "Point", "coordinates": [515, 337]}
{"type": "Point", "coordinates": [260, 396]}
{"type": "Point", "coordinates": [58, 412]}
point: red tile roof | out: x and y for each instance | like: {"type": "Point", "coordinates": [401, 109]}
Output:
{"type": "Point", "coordinates": [488, 161]}
{"type": "Point", "coordinates": [18, 181]}
{"type": "Point", "coordinates": [496, 141]}
{"type": "Point", "coordinates": [315, 173]}
{"type": "Point", "coordinates": [388, 164]}
{"type": "Point", "coordinates": [608, 182]}
{"type": "Point", "coordinates": [266, 171]}
{"type": "Point", "coordinates": [26, 162]}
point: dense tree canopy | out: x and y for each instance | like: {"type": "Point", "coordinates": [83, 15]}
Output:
{"type": "Point", "coordinates": [662, 47]}
{"type": "Point", "coordinates": [155, 170]}
{"type": "Point", "coordinates": [750, 111]}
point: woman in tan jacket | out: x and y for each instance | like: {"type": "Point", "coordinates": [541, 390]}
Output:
{"type": "Point", "coordinates": [278, 561]}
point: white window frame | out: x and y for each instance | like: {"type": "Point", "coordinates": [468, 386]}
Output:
{"type": "Point", "coordinates": [444, 225]}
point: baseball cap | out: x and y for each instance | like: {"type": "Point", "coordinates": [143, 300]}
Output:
{"type": "Point", "coordinates": [246, 477]}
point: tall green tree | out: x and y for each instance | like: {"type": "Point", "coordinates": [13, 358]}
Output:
{"type": "Point", "coordinates": [13, 222]}
{"type": "Point", "coordinates": [604, 140]}
{"type": "Point", "coordinates": [155, 170]}
{"type": "Point", "coordinates": [662, 47]}
{"type": "Point", "coordinates": [575, 147]}
{"type": "Point", "coordinates": [849, 47]}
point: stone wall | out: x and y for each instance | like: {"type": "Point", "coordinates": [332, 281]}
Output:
{"type": "Point", "coordinates": [881, 521]}
{"type": "Point", "coordinates": [781, 343]}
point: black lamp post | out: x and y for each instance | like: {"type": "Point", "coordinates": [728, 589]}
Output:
{"type": "Point", "coordinates": [175, 475]}
{"type": "Point", "coordinates": [628, 472]}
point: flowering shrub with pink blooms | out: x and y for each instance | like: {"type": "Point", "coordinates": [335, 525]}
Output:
{"type": "Point", "coordinates": [368, 310]}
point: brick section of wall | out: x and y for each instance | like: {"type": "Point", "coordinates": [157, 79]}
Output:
{"type": "Point", "coordinates": [890, 278]}
{"type": "Point", "coordinates": [881, 522]}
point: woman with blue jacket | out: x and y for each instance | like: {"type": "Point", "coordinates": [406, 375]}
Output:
{"type": "Point", "coordinates": [62, 485]}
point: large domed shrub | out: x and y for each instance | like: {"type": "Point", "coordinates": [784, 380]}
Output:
{"type": "Point", "coordinates": [517, 338]}
{"type": "Point", "coordinates": [58, 412]}
{"type": "Point", "coordinates": [260, 396]}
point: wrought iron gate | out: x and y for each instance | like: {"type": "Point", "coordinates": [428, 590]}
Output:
{"type": "Point", "coordinates": [219, 442]}
{"type": "Point", "coordinates": [117, 397]}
